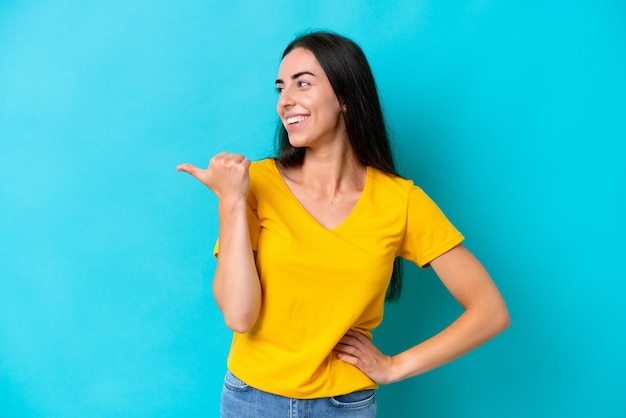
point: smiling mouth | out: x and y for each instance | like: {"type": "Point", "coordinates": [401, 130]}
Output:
{"type": "Point", "coordinates": [296, 119]}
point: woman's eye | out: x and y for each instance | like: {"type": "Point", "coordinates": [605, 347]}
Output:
{"type": "Point", "coordinates": [279, 89]}
{"type": "Point", "coordinates": [303, 83]}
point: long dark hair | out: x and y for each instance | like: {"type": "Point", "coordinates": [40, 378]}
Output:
{"type": "Point", "coordinates": [352, 80]}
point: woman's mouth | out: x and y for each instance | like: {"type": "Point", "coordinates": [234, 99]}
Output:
{"type": "Point", "coordinates": [296, 119]}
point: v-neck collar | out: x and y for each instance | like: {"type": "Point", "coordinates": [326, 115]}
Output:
{"type": "Point", "coordinates": [352, 213]}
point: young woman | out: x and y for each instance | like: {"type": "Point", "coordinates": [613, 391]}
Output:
{"type": "Point", "coordinates": [309, 244]}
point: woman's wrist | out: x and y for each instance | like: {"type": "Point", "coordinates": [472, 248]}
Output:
{"type": "Point", "coordinates": [231, 204]}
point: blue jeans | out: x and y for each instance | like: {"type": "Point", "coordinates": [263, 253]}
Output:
{"type": "Point", "coordinates": [242, 401]}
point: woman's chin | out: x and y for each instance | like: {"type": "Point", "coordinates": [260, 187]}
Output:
{"type": "Point", "coordinates": [297, 142]}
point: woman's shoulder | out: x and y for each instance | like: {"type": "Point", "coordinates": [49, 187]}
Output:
{"type": "Point", "coordinates": [391, 183]}
{"type": "Point", "coordinates": [264, 175]}
{"type": "Point", "coordinates": [393, 188]}
{"type": "Point", "coordinates": [263, 167]}
{"type": "Point", "coordinates": [264, 163]}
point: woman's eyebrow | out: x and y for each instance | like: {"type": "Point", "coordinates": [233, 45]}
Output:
{"type": "Point", "coordinates": [296, 75]}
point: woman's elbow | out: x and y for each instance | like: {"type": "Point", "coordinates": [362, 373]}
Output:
{"type": "Point", "coordinates": [240, 323]}
{"type": "Point", "coordinates": [501, 319]}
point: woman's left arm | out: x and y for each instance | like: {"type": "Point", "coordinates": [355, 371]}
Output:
{"type": "Point", "coordinates": [485, 315]}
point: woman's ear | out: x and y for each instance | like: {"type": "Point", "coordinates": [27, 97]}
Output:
{"type": "Point", "coordinates": [342, 103]}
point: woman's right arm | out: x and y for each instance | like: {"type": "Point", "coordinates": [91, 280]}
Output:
{"type": "Point", "coordinates": [236, 285]}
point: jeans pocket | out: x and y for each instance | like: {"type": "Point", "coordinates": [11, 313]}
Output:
{"type": "Point", "coordinates": [233, 383]}
{"type": "Point", "coordinates": [354, 400]}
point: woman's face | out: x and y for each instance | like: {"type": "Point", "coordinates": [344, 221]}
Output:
{"type": "Point", "coordinates": [307, 104]}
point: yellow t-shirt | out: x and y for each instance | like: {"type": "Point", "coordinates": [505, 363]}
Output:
{"type": "Point", "coordinates": [319, 283]}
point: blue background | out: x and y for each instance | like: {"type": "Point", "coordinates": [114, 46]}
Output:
{"type": "Point", "coordinates": [510, 114]}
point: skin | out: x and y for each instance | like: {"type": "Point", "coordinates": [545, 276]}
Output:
{"type": "Point", "coordinates": [328, 185]}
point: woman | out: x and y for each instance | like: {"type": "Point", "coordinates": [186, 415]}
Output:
{"type": "Point", "coordinates": [309, 244]}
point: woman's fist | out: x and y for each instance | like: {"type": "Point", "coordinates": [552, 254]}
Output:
{"type": "Point", "coordinates": [227, 175]}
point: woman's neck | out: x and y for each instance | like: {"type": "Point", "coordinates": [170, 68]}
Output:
{"type": "Point", "coordinates": [331, 173]}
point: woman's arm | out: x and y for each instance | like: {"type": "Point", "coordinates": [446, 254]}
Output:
{"type": "Point", "coordinates": [236, 284]}
{"type": "Point", "coordinates": [485, 315]}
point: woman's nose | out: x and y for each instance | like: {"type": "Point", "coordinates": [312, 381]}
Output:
{"type": "Point", "coordinates": [285, 99]}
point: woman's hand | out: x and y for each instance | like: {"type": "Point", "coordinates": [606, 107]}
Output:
{"type": "Point", "coordinates": [356, 349]}
{"type": "Point", "coordinates": [227, 175]}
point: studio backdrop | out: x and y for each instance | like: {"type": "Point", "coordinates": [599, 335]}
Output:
{"type": "Point", "coordinates": [509, 114]}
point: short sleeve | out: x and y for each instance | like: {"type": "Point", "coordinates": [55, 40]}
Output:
{"type": "Point", "coordinates": [429, 233]}
{"type": "Point", "coordinates": [253, 224]}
